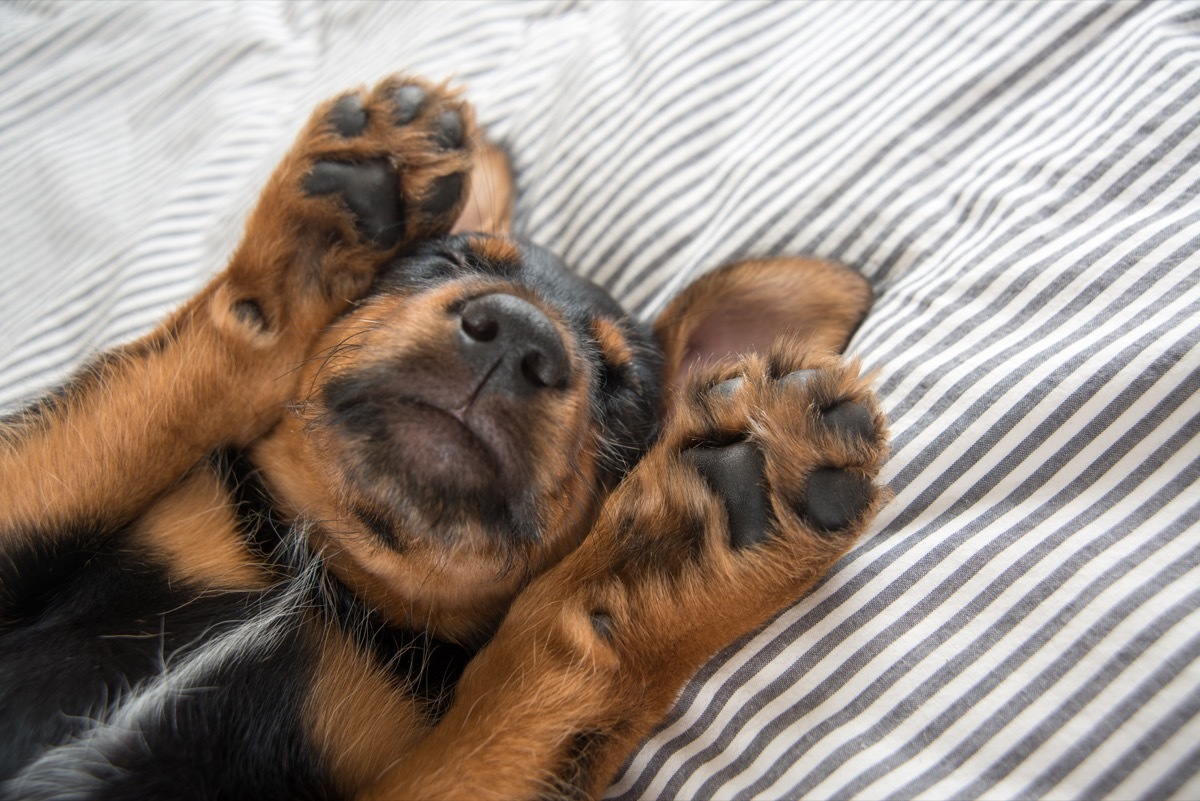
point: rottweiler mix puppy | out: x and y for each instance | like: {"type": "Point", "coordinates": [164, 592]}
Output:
{"type": "Point", "coordinates": [387, 513]}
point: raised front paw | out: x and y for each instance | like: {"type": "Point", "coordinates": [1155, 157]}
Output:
{"type": "Point", "coordinates": [371, 171]}
{"type": "Point", "coordinates": [396, 158]}
{"type": "Point", "coordinates": [819, 423]}
{"type": "Point", "coordinates": [763, 478]}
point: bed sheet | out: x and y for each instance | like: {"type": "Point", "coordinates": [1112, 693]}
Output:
{"type": "Point", "coordinates": [1017, 181]}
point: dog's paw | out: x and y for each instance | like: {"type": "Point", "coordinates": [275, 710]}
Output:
{"type": "Point", "coordinates": [395, 158]}
{"type": "Point", "coordinates": [372, 170]}
{"type": "Point", "coordinates": [823, 432]}
{"type": "Point", "coordinates": [764, 476]}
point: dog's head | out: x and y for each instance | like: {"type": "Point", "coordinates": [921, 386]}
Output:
{"type": "Point", "coordinates": [455, 434]}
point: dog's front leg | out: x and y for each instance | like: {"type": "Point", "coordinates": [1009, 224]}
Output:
{"type": "Point", "coordinates": [763, 478]}
{"type": "Point", "coordinates": [371, 171]}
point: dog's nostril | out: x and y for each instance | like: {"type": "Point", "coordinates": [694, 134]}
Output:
{"type": "Point", "coordinates": [541, 371]}
{"type": "Point", "coordinates": [529, 368]}
{"type": "Point", "coordinates": [478, 326]}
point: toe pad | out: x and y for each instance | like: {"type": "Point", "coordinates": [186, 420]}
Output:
{"type": "Point", "coordinates": [735, 472]}
{"type": "Point", "coordinates": [836, 498]}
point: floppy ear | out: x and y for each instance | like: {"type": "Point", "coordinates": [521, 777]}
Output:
{"type": "Point", "coordinates": [744, 307]}
{"type": "Point", "coordinates": [489, 206]}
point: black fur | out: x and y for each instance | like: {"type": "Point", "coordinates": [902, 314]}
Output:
{"type": "Point", "coordinates": [88, 621]}
{"type": "Point", "coordinates": [117, 682]}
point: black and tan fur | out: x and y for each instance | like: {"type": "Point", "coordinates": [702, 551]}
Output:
{"type": "Point", "coordinates": [326, 533]}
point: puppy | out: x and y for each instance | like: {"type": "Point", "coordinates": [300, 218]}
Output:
{"type": "Point", "coordinates": [386, 513]}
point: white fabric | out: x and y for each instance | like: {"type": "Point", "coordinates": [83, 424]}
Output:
{"type": "Point", "coordinates": [1018, 181]}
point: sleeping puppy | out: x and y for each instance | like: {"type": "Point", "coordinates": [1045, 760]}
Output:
{"type": "Point", "coordinates": [387, 513]}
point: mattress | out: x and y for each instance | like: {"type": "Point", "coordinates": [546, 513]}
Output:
{"type": "Point", "coordinates": [1018, 181]}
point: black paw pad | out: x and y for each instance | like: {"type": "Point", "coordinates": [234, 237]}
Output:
{"type": "Point", "coordinates": [448, 130]}
{"type": "Point", "coordinates": [836, 498]}
{"type": "Point", "coordinates": [735, 472]}
{"type": "Point", "coordinates": [408, 100]}
{"type": "Point", "coordinates": [602, 624]}
{"type": "Point", "coordinates": [728, 387]}
{"type": "Point", "coordinates": [348, 116]}
{"type": "Point", "coordinates": [797, 379]}
{"type": "Point", "coordinates": [850, 420]}
{"type": "Point", "coordinates": [251, 314]}
{"type": "Point", "coordinates": [443, 194]}
{"type": "Point", "coordinates": [369, 191]}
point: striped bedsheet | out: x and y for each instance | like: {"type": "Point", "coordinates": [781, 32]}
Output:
{"type": "Point", "coordinates": [1019, 183]}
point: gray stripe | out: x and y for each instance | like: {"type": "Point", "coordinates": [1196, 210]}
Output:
{"type": "Point", "coordinates": [946, 589]}
{"type": "Point", "coordinates": [1186, 769]}
{"type": "Point", "coordinates": [863, 91]}
{"type": "Point", "coordinates": [988, 103]}
{"type": "Point", "coordinates": [633, 272]}
{"type": "Point", "coordinates": [1047, 680]}
{"type": "Point", "coordinates": [672, 85]}
{"type": "Point", "coordinates": [1180, 135]}
{"type": "Point", "coordinates": [978, 77]}
{"type": "Point", "coordinates": [885, 596]}
{"type": "Point", "coordinates": [996, 115]}
{"type": "Point", "coordinates": [557, 188]}
{"type": "Point", "coordinates": [1100, 92]}
{"type": "Point", "coordinates": [667, 134]}
{"type": "Point", "coordinates": [949, 399]}
{"type": "Point", "coordinates": [1145, 690]}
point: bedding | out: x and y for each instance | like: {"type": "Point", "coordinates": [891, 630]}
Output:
{"type": "Point", "coordinates": [1019, 183]}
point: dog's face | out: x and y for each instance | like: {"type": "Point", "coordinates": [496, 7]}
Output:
{"type": "Point", "coordinates": [454, 435]}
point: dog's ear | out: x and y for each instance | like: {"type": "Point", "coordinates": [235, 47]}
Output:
{"type": "Point", "coordinates": [489, 206]}
{"type": "Point", "coordinates": [744, 307]}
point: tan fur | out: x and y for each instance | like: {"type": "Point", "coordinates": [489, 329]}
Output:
{"type": "Point", "coordinates": [109, 450]}
{"type": "Point", "coordinates": [500, 251]}
{"type": "Point", "coordinates": [624, 597]}
{"type": "Point", "coordinates": [613, 343]}
{"type": "Point", "coordinates": [360, 718]}
{"type": "Point", "coordinates": [218, 559]}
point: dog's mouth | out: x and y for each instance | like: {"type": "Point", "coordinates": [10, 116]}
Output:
{"type": "Point", "coordinates": [425, 439]}
{"type": "Point", "coordinates": [448, 446]}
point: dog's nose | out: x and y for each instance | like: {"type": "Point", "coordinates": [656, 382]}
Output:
{"type": "Point", "coordinates": [515, 341]}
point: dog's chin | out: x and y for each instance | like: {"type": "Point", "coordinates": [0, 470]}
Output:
{"type": "Point", "coordinates": [437, 477]}
{"type": "Point", "coordinates": [440, 450]}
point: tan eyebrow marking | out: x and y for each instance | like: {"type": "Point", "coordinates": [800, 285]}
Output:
{"type": "Point", "coordinates": [495, 249]}
{"type": "Point", "coordinates": [613, 343]}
